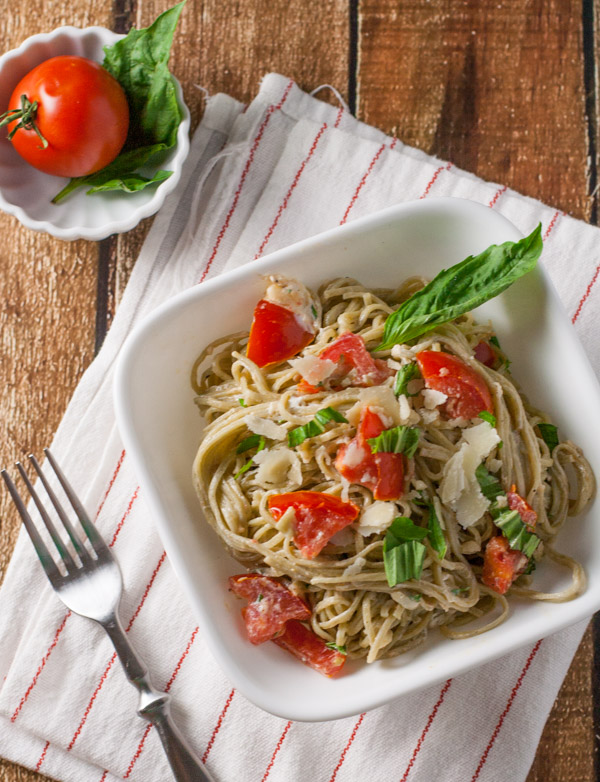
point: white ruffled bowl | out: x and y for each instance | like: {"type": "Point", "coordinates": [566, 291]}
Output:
{"type": "Point", "coordinates": [27, 193]}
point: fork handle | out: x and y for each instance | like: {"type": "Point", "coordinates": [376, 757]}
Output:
{"type": "Point", "coordinates": [154, 706]}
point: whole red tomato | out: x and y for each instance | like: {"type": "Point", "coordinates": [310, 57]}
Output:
{"type": "Point", "coordinates": [81, 114]}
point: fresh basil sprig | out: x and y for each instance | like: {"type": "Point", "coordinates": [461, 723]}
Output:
{"type": "Point", "coordinates": [461, 288]}
{"type": "Point", "coordinates": [316, 426]}
{"type": "Point", "coordinates": [139, 63]}
{"type": "Point", "coordinates": [402, 529]}
{"type": "Point", "coordinates": [399, 439]}
{"type": "Point", "coordinates": [549, 434]}
{"type": "Point", "coordinates": [404, 561]}
{"type": "Point", "coordinates": [489, 417]}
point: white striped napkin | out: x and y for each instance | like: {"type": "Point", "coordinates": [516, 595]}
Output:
{"type": "Point", "coordinates": [258, 178]}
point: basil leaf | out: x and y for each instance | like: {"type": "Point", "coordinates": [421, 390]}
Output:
{"type": "Point", "coordinates": [461, 288]}
{"type": "Point", "coordinates": [489, 485]}
{"type": "Point", "coordinates": [399, 439]}
{"type": "Point", "coordinates": [416, 596]}
{"type": "Point", "coordinates": [130, 183]}
{"type": "Point", "coordinates": [253, 441]}
{"type": "Point", "coordinates": [250, 462]}
{"type": "Point", "coordinates": [242, 402]}
{"type": "Point", "coordinates": [436, 534]}
{"type": "Point", "coordinates": [404, 562]}
{"type": "Point", "coordinates": [516, 532]}
{"type": "Point", "coordinates": [489, 417]}
{"type": "Point", "coordinates": [405, 374]}
{"type": "Point", "coordinates": [549, 434]}
{"type": "Point", "coordinates": [400, 530]}
{"type": "Point", "coordinates": [494, 341]}
{"type": "Point", "coordinates": [315, 427]}
{"type": "Point", "coordinates": [336, 648]}
{"type": "Point", "coordinates": [139, 62]}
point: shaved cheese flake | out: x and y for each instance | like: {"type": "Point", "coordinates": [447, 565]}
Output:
{"type": "Point", "coordinates": [343, 537]}
{"type": "Point", "coordinates": [383, 401]}
{"type": "Point", "coordinates": [312, 368]}
{"type": "Point", "coordinates": [459, 487]}
{"type": "Point", "coordinates": [406, 415]}
{"type": "Point", "coordinates": [377, 517]}
{"type": "Point", "coordinates": [286, 523]}
{"type": "Point", "coordinates": [265, 427]}
{"type": "Point", "coordinates": [433, 398]}
{"type": "Point", "coordinates": [277, 467]}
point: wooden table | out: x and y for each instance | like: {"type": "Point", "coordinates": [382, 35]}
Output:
{"type": "Point", "coordinates": [505, 89]}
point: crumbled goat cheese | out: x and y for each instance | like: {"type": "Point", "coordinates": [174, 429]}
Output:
{"type": "Point", "coordinates": [433, 398]}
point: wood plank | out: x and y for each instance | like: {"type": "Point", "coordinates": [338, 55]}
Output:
{"type": "Point", "coordinates": [500, 93]}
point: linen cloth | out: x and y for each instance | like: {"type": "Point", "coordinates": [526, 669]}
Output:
{"type": "Point", "coordinates": [258, 178]}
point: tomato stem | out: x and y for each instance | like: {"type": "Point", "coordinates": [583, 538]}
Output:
{"type": "Point", "coordinates": [26, 119]}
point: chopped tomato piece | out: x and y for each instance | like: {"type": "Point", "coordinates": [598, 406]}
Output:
{"type": "Point", "coordinates": [318, 517]}
{"type": "Point", "coordinates": [467, 392]}
{"type": "Point", "coordinates": [382, 473]}
{"type": "Point", "coordinates": [484, 353]}
{"type": "Point", "coordinates": [354, 363]}
{"type": "Point", "coordinates": [272, 605]}
{"type": "Point", "coordinates": [312, 650]}
{"type": "Point", "coordinates": [276, 334]}
{"type": "Point", "coordinates": [501, 564]}
{"type": "Point", "coordinates": [523, 508]}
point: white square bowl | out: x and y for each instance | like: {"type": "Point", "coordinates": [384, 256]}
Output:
{"type": "Point", "coordinates": [161, 428]}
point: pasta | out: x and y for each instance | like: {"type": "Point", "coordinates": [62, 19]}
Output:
{"type": "Point", "coordinates": [347, 584]}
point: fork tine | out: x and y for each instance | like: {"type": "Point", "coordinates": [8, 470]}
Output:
{"type": "Point", "coordinates": [89, 528]}
{"type": "Point", "coordinates": [79, 548]}
{"type": "Point", "coordinates": [48, 563]}
{"type": "Point", "coordinates": [65, 554]}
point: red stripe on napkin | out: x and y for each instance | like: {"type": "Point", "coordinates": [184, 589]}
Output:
{"type": "Point", "coordinates": [217, 727]}
{"type": "Point", "coordinates": [245, 171]}
{"type": "Point", "coordinates": [586, 295]}
{"type": "Point", "coordinates": [497, 195]}
{"type": "Point", "coordinates": [38, 765]}
{"type": "Point", "coordinates": [428, 725]}
{"type": "Point", "coordinates": [277, 748]}
{"type": "Point", "coordinates": [286, 200]}
{"type": "Point", "coordinates": [552, 223]}
{"type": "Point", "coordinates": [507, 708]}
{"type": "Point", "coordinates": [361, 184]}
{"type": "Point", "coordinates": [347, 747]}
{"type": "Point", "coordinates": [436, 174]}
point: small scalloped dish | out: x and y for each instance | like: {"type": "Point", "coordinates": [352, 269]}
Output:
{"type": "Point", "coordinates": [27, 193]}
{"type": "Point", "coordinates": [161, 428]}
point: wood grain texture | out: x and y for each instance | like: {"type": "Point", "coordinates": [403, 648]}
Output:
{"type": "Point", "coordinates": [498, 88]}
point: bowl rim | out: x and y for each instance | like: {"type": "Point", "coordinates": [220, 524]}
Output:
{"type": "Point", "coordinates": [580, 608]}
{"type": "Point", "coordinates": [126, 223]}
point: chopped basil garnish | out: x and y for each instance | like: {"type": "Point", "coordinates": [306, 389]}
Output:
{"type": "Point", "coordinates": [259, 598]}
{"type": "Point", "coordinates": [400, 439]}
{"type": "Point", "coordinates": [436, 535]}
{"type": "Point", "coordinates": [516, 532]}
{"type": "Point", "coordinates": [242, 402]}
{"type": "Point", "coordinates": [315, 427]}
{"type": "Point", "coordinates": [258, 442]}
{"type": "Point", "coordinates": [404, 561]}
{"type": "Point", "coordinates": [489, 485]}
{"type": "Point", "coordinates": [494, 341]}
{"type": "Point", "coordinates": [460, 590]}
{"type": "Point", "coordinates": [407, 373]}
{"type": "Point", "coordinates": [253, 441]}
{"type": "Point", "coordinates": [402, 529]}
{"type": "Point", "coordinates": [336, 648]}
{"type": "Point", "coordinates": [416, 596]}
{"type": "Point", "coordinates": [313, 309]}
{"type": "Point", "coordinates": [489, 417]}
{"type": "Point", "coordinates": [549, 434]}
{"type": "Point", "coordinates": [461, 288]}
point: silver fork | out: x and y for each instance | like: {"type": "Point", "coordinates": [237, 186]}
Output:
{"type": "Point", "coordinates": [92, 587]}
